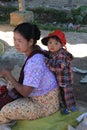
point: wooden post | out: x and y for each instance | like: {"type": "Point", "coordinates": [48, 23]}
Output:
{"type": "Point", "coordinates": [21, 5]}
{"type": "Point", "coordinates": [22, 15]}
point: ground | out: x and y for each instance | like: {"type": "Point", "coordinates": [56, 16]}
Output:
{"type": "Point", "coordinates": [80, 89]}
{"type": "Point", "coordinates": [76, 44]}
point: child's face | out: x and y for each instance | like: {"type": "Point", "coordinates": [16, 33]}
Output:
{"type": "Point", "coordinates": [53, 45]}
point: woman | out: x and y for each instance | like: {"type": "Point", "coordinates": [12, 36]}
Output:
{"type": "Point", "coordinates": [37, 85]}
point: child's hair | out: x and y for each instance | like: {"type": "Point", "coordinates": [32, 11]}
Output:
{"type": "Point", "coordinates": [28, 31]}
{"type": "Point", "coordinates": [56, 38]}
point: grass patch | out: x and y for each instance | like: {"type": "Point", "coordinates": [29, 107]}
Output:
{"type": "Point", "coordinates": [53, 27]}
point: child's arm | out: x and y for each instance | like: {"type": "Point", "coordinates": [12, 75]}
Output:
{"type": "Point", "coordinates": [56, 65]}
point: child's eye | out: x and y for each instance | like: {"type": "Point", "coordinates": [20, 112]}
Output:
{"type": "Point", "coordinates": [50, 42]}
{"type": "Point", "coordinates": [57, 43]}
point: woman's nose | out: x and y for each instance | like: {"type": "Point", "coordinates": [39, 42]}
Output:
{"type": "Point", "coordinates": [16, 43]}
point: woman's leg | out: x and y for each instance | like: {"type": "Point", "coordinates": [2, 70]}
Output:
{"type": "Point", "coordinates": [33, 108]}
{"type": "Point", "coordinates": [19, 109]}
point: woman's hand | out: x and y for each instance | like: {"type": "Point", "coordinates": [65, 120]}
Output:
{"type": "Point", "coordinates": [5, 73]}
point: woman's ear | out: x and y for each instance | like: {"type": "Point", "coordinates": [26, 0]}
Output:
{"type": "Point", "coordinates": [31, 42]}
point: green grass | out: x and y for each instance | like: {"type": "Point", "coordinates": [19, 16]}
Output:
{"type": "Point", "coordinates": [52, 27]}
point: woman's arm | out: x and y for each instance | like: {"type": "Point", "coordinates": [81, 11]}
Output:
{"type": "Point", "coordinates": [23, 90]}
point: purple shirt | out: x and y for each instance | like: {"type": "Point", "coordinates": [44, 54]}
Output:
{"type": "Point", "coordinates": [38, 76]}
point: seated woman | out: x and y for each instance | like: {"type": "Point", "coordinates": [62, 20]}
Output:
{"type": "Point", "coordinates": [37, 85]}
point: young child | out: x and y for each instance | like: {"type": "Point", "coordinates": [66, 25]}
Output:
{"type": "Point", "coordinates": [60, 63]}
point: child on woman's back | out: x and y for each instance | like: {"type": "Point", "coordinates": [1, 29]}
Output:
{"type": "Point", "coordinates": [60, 63]}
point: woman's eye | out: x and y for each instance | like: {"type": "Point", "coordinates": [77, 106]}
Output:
{"type": "Point", "coordinates": [19, 40]}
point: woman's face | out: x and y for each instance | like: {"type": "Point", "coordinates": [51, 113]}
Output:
{"type": "Point", "coordinates": [21, 44]}
{"type": "Point", "coordinates": [53, 45]}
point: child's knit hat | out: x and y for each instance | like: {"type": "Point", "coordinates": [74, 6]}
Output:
{"type": "Point", "coordinates": [57, 33]}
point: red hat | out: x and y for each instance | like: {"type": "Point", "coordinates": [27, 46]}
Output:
{"type": "Point", "coordinates": [57, 33]}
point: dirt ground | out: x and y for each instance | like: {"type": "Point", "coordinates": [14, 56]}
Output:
{"type": "Point", "coordinates": [76, 44]}
{"type": "Point", "coordinates": [80, 89]}
{"type": "Point", "coordinates": [79, 50]}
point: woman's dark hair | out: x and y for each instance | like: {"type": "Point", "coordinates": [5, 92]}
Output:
{"type": "Point", "coordinates": [28, 31]}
